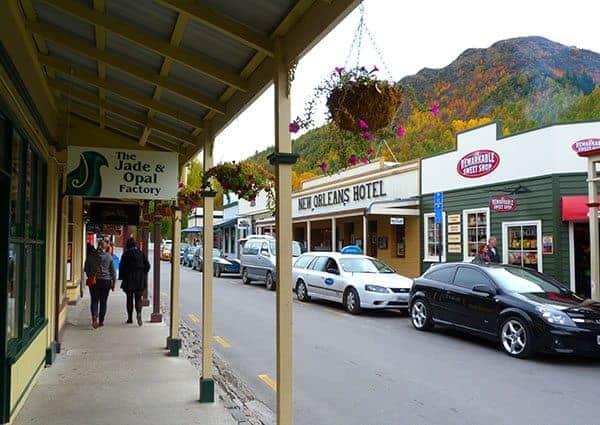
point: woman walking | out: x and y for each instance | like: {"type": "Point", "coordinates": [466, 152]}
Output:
{"type": "Point", "coordinates": [132, 272]}
{"type": "Point", "coordinates": [101, 278]}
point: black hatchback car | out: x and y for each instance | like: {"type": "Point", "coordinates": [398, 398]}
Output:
{"type": "Point", "coordinates": [525, 311]}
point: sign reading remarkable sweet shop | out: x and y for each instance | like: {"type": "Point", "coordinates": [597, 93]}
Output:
{"type": "Point", "coordinates": [120, 173]}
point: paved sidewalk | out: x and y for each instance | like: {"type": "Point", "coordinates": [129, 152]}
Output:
{"type": "Point", "coordinates": [119, 374]}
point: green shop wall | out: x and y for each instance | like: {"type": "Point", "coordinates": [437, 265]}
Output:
{"type": "Point", "coordinates": [541, 202]}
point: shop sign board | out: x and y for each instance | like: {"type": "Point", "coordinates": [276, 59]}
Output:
{"type": "Point", "coordinates": [587, 147]}
{"type": "Point", "coordinates": [438, 206]}
{"type": "Point", "coordinates": [121, 173]}
{"type": "Point", "coordinates": [397, 221]}
{"type": "Point", "coordinates": [454, 238]}
{"type": "Point", "coordinates": [453, 218]}
{"type": "Point", "coordinates": [454, 228]}
{"type": "Point", "coordinates": [502, 204]}
{"type": "Point", "coordinates": [478, 163]}
{"type": "Point", "coordinates": [454, 248]}
{"type": "Point", "coordinates": [548, 244]}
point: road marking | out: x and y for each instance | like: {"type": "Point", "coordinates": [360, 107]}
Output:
{"type": "Point", "coordinates": [194, 318]}
{"type": "Point", "coordinates": [336, 312]}
{"type": "Point", "coordinates": [265, 378]}
{"type": "Point", "coordinates": [222, 341]}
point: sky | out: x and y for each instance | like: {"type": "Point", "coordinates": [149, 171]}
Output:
{"type": "Point", "coordinates": [411, 35]}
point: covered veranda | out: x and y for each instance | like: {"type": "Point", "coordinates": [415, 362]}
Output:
{"type": "Point", "coordinates": [157, 76]}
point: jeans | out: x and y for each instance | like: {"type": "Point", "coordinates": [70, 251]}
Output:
{"type": "Point", "coordinates": [138, 302]}
{"type": "Point", "coordinates": [99, 294]}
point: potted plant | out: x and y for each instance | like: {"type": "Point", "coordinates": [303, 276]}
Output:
{"type": "Point", "coordinates": [246, 179]}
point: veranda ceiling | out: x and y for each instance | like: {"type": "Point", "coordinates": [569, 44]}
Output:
{"type": "Point", "coordinates": [163, 71]}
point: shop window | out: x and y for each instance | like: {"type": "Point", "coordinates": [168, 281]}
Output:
{"type": "Point", "coordinates": [432, 238]}
{"type": "Point", "coordinates": [15, 258]}
{"type": "Point", "coordinates": [400, 240]}
{"type": "Point", "coordinates": [476, 230]}
{"type": "Point", "coordinates": [522, 244]}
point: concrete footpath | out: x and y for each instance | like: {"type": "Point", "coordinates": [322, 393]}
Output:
{"type": "Point", "coordinates": [118, 374]}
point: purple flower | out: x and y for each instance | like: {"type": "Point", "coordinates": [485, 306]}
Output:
{"type": "Point", "coordinates": [375, 69]}
{"type": "Point", "coordinates": [364, 160]}
{"type": "Point", "coordinates": [339, 69]}
{"type": "Point", "coordinates": [352, 160]}
{"type": "Point", "coordinates": [371, 151]}
{"type": "Point", "coordinates": [363, 124]}
{"type": "Point", "coordinates": [323, 166]}
{"type": "Point", "coordinates": [293, 127]}
{"type": "Point", "coordinates": [435, 109]}
{"type": "Point", "coordinates": [400, 132]}
{"type": "Point", "coordinates": [367, 136]}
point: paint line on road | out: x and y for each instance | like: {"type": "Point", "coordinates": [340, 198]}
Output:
{"type": "Point", "coordinates": [336, 312]}
{"type": "Point", "coordinates": [267, 380]}
{"type": "Point", "coordinates": [222, 341]}
{"type": "Point", "coordinates": [194, 318]}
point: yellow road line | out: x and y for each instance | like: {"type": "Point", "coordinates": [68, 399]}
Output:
{"type": "Point", "coordinates": [265, 378]}
{"type": "Point", "coordinates": [222, 341]}
{"type": "Point", "coordinates": [336, 312]}
{"type": "Point", "coordinates": [194, 317]}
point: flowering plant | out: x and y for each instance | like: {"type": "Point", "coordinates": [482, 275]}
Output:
{"type": "Point", "coordinates": [245, 179]}
{"type": "Point", "coordinates": [188, 198]}
{"type": "Point", "coordinates": [362, 110]}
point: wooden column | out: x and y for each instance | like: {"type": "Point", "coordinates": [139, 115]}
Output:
{"type": "Point", "coordinates": [174, 343]}
{"type": "Point", "coordinates": [207, 385]}
{"type": "Point", "coordinates": [594, 242]}
{"type": "Point", "coordinates": [156, 314]}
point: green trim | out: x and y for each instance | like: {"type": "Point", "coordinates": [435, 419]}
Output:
{"type": "Point", "coordinates": [207, 390]}
{"type": "Point", "coordinates": [208, 194]}
{"type": "Point", "coordinates": [15, 77]}
{"type": "Point", "coordinates": [174, 346]}
{"type": "Point", "coordinates": [28, 386]}
{"type": "Point", "coordinates": [16, 347]}
{"type": "Point", "coordinates": [283, 158]}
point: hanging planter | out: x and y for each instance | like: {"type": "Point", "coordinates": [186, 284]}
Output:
{"type": "Point", "coordinates": [188, 199]}
{"type": "Point", "coordinates": [245, 179]}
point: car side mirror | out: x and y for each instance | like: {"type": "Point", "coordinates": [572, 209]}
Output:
{"type": "Point", "coordinates": [331, 270]}
{"type": "Point", "coordinates": [264, 252]}
{"type": "Point", "coordinates": [484, 289]}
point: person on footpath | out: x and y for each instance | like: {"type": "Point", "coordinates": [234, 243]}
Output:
{"type": "Point", "coordinates": [132, 272]}
{"type": "Point", "coordinates": [493, 254]}
{"type": "Point", "coordinates": [101, 278]}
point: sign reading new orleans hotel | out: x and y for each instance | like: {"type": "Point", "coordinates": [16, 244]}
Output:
{"type": "Point", "coordinates": [343, 196]}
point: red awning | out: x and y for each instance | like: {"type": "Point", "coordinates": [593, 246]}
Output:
{"type": "Point", "coordinates": [574, 208]}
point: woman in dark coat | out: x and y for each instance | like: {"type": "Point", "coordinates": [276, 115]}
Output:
{"type": "Point", "coordinates": [132, 272]}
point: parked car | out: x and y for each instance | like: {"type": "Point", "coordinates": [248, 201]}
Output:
{"type": "Point", "coordinates": [525, 311]}
{"type": "Point", "coordinates": [258, 259]}
{"type": "Point", "coordinates": [188, 255]}
{"type": "Point", "coordinates": [197, 258]}
{"type": "Point", "coordinates": [182, 248]}
{"type": "Point", "coordinates": [357, 281]}
{"type": "Point", "coordinates": [225, 264]}
{"type": "Point", "coordinates": [165, 253]}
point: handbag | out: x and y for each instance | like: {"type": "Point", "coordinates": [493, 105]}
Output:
{"type": "Point", "coordinates": [91, 279]}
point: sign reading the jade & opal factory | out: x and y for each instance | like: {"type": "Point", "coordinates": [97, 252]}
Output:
{"type": "Point", "coordinates": [116, 173]}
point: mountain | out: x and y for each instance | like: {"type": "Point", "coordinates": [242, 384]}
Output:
{"type": "Point", "coordinates": [526, 82]}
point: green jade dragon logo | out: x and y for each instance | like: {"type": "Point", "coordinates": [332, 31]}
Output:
{"type": "Point", "coordinates": [86, 180]}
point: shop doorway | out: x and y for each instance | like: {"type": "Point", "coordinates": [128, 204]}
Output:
{"type": "Point", "coordinates": [581, 238]}
{"type": "Point", "coordinates": [372, 248]}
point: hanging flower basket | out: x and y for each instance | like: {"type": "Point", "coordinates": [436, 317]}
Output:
{"type": "Point", "coordinates": [164, 210]}
{"type": "Point", "coordinates": [188, 199]}
{"type": "Point", "coordinates": [245, 179]}
{"type": "Point", "coordinates": [373, 102]}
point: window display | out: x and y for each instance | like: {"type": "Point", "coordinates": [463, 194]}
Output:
{"type": "Point", "coordinates": [432, 239]}
{"type": "Point", "coordinates": [523, 245]}
{"type": "Point", "coordinates": [476, 231]}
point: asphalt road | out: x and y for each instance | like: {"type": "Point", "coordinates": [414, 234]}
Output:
{"type": "Point", "coordinates": [376, 369]}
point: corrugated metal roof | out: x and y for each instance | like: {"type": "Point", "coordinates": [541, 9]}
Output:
{"type": "Point", "coordinates": [73, 58]}
{"type": "Point", "coordinates": [92, 109]}
{"type": "Point", "coordinates": [262, 15]}
{"type": "Point", "coordinates": [199, 38]}
{"type": "Point", "coordinates": [127, 81]}
{"type": "Point", "coordinates": [195, 80]}
{"type": "Point", "coordinates": [76, 84]}
{"type": "Point", "coordinates": [144, 14]}
{"type": "Point", "coordinates": [63, 20]}
{"type": "Point", "coordinates": [133, 53]}
{"type": "Point", "coordinates": [124, 103]}
{"type": "Point", "coordinates": [167, 120]}
{"type": "Point", "coordinates": [182, 104]}
{"type": "Point", "coordinates": [165, 137]}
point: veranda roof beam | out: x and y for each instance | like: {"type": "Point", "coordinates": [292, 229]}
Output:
{"type": "Point", "coordinates": [122, 28]}
{"type": "Point", "coordinates": [100, 36]}
{"type": "Point", "coordinates": [223, 24]}
{"type": "Point", "coordinates": [118, 89]}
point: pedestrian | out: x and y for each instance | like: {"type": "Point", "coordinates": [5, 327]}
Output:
{"type": "Point", "coordinates": [101, 278]}
{"type": "Point", "coordinates": [132, 272]}
{"type": "Point", "coordinates": [484, 256]}
{"type": "Point", "coordinates": [493, 250]}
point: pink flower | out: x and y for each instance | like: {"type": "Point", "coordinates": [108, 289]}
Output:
{"type": "Point", "coordinates": [363, 124]}
{"type": "Point", "coordinates": [367, 136]}
{"type": "Point", "coordinates": [435, 109]}
{"type": "Point", "coordinates": [352, 160]}
{"type": "Point", "coordinates": [400, 132]}
{"type": "Point", "coordinates": [181, 185]}
{"type": "Point", "coordinates": [293, 127]}
{"type": "Point", "coordinates": [375, 69]}
{"type": "Point", "coordinates": [371, 151]}
{"type": "Point", "coordinates": [339, 69]}
{"type": "Point", "coordinates": [364, 160]}
{"type": "Point", "coordinates": [323, 166]}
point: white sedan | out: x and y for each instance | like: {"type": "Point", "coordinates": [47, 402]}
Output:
{"type": "Point", "coordinates": [357, 281]}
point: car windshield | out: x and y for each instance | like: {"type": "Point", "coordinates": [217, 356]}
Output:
{"type": "Point", "coordinates": [216, 253]}
{"type": "Point", "coordinates": [296, 248]}
{"type": "Point", "coordinates": [364, 265]}
{"type": "Point", "coordinates": [524, 281]}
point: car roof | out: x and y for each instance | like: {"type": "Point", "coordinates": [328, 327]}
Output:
{"type": "Point", "coordinates": [334, 254]}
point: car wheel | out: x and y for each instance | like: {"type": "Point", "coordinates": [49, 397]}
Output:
{"type": "Point", "coordinates": [218, 270]}
{"type": "Point", "coordinates": [420, 315]}
{"type": "Point", "coordinates": [302, 292]}
{"type": "Point", "coordinates": [193, 265]}
{"type": "Point", "coordinates": [352, 301]}
{"type": "Point", "coordinates": [245, 279]}
{"type": "Point", "coordinates": [516, 338]}
{"type": "Point", "coordinates": [269, 282]}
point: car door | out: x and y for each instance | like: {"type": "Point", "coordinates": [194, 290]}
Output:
{"type": "Point", "coordinates": [263, 260]}
{"type": "Point", "coordinates": [335, 282]}
{"type": "Point", "coordinates": [316, 276]}
{"type": "Point", "coordinates": [436, 291]}
{"type": "Point", "coordinates": [472, 309]}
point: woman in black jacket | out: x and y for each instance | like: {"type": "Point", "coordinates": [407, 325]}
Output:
{"type": "Point", "coordinates": [132, 272]}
